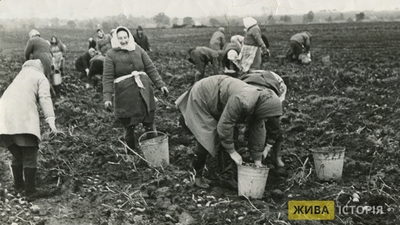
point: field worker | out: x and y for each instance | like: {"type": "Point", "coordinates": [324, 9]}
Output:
{"type": "Point", "coordinates": [253, 46]}
{"type": "Point", "coordinates": [103, 42]}
{"type": "Point", "coordinates": [82, 65]}
{"type": "Point", "coordinates": [217, 40]}
{"type": "Point", "coordinates": [112, 32]}
{"type": "Point", "coordinates": [141, 39]}
{"type": "Point", "coordinates": [39, 48]}
{"type": "Point", "coordinates": [96, 70]}
{"type": "Point", "coordinates": [58, 49]}
{"type": "Point", "coordinates": [213, 108]}
{"type": "Point", "coordinates": [201, 56]}
{"type": "Point", "coordinates": [299, 43]}
{"type": "Point", "coordinates": [92, 43]}
{"type": "Point", "coordinates": [20, 124]}
{"type": "Point", "coordinates": [238, 39]}
{"type": "Point", "coordinates": [272, 81]}
{"type": "Point", "coordinates": [230, 58]}
{"type": "Point", "coordinates": [128, 75]}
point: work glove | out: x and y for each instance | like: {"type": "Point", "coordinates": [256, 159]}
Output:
{"type": "Point", "coordinates": [236, 157]}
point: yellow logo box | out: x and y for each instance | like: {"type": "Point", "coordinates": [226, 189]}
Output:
{"type": "Point", "coordinates": [311, 210]}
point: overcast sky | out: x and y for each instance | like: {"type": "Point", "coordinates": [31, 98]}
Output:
{"type": "Point", "coordinates": [84, 9]}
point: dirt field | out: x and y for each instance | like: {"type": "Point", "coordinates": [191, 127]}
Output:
{"type": "Point", "coordinates": [349, 100]}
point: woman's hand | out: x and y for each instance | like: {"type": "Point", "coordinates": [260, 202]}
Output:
{"type": "Point", "coordinates": [236, 157]}
{"type": "Point", "coordinates": [164, 90]}
{"type": "Point", "coordinates": [108, 104]}
{"type": "Point", "coordinates": [266, 151]}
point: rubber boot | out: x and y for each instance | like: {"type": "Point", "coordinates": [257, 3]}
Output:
{"type": "Point", "coordinates": [31, 192]}
{"type": "Point", "coordinates": [228, 175]}
{"type": "Point", "coordinates": [130, 137]}
{"type": "Point", "coordinates": [18, 175]}
{"type": "Point", "coordinates": [198, 163]}
{"type": "Point", "coordinates": [275, 154]}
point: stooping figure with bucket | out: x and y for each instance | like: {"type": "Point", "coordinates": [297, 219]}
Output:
{"type": "Point", "coordinates": [271, 81]}
{"type": "Point", "coordinates": [213, 108]}
{"type": "Point", "coordinates": [299, 50]}
{"type": "Point", "coordinates": [128, 75]}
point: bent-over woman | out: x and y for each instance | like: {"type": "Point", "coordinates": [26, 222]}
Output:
{"type": "Point", "coordinates": [212, 109]}
{"type": "Point", "coordinates": [20, 124]}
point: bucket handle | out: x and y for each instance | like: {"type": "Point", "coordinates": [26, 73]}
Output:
{"type": "Point", "coordinates": [141, 136]}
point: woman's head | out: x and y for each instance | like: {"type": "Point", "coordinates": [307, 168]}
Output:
{"type": "Point", "coordinates": [123, 36]}
{"type": "Point", "coordinates": [268, 105]}
{"type": "Point", "coordinates": [100, 33]}
{"type": "Point", "coordinates": [53, 40]}
{"type": "Point", "coordinates": [123, 39]}
{"type": "Point", "coordinates": [34, 33]}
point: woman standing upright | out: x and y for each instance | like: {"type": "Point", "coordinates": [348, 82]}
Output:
{"type": "Point", "coordinates": [20, 124]}
{"type": "Point", "coordinates": [128, 74]}
{"type": "Point", "coordinates": [58, 49]}
{"type": "Point", "coordinates": [252, 46]}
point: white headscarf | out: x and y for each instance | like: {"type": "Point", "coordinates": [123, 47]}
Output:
{"type": "Point", "coordinates": [131, 42]}
{"type": "Point", "coordinates": [34, 63]}
{"type": "Point", "coordinates": [248, 22]}
{"type": "Point", "coordinates": [33, 33]}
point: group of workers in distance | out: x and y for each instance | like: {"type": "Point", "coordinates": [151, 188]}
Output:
{"type": "Point", "coordinates": [212, 109]}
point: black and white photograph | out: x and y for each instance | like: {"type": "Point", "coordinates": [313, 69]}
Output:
{"type": "Point", "coordinates": [186, 112]}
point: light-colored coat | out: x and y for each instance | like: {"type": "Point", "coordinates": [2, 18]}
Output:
{"type": "Point", "coordinates": [18, 105]}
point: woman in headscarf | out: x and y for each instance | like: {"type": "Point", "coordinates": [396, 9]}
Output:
{"type": "Point", "coordinates": [299, 43]}
{"type": "Point", "coordinates": [272, 81]}
{"type": "Point", "coordinates": [20, 124]}
{"type": "Point", "coordinates": [128, 75]}
{"type": "Point", "coordinates": [58, 49]}
{"type": "Point", "coordinates": [217, 40]}
{"type": "Point", "coordinates": [253, 45]}
{"type": "Point", "coordinates": [230, 58]}
{"type": "Point", "coordinates": [201, 56]}
{"type": "Point", "coordinates": [103, 43]}
{"type": "Point", "coordinates": [82, 65]}
{"type": "Point", "coordinates": [39, 48]}
{"type": "Point", "coordinates": [212, 109]}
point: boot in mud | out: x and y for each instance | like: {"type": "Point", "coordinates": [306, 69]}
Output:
{"type": "Point", "coordinates": [228, 175]}
{"type": "Point", "coordinates": [18, 174]}
{"type": "Point", "coordinates": [198, 163]}
{"type": "Point", "coordinates": [276, 155]}
{"type": "Point", "coordinates": [31, 192]}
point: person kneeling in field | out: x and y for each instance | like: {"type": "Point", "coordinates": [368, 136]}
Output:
{"type": "Point", "coordinates": [201, 56]}
{"type": "Point", "coordinates": [299, 43]}
{"type": "Point", "coordinates": [20, 124]}
{"type": "Point", "coordinates": [82, 64]}
{"type": "Point", "coordinates": [230, 59]}
{"type": "Point", "coordinates": [96, 70]}
{"type": "Point", "coordinates": [214, 106]}
{"type": "Point", "coordinates": [271, 81]}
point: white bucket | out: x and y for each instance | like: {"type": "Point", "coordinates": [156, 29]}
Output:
{"type": "Point", "coordinates": [57, 78]}
{"type": "Point", "coordinates": [328, 162]}
{"type": "Point", "coordinates": [252, 181]}
{"type": "Point", "coordinates": [154, 145]}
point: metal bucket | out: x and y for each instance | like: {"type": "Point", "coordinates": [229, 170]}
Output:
{"type": "Point", "coordinates": [154, 145]}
